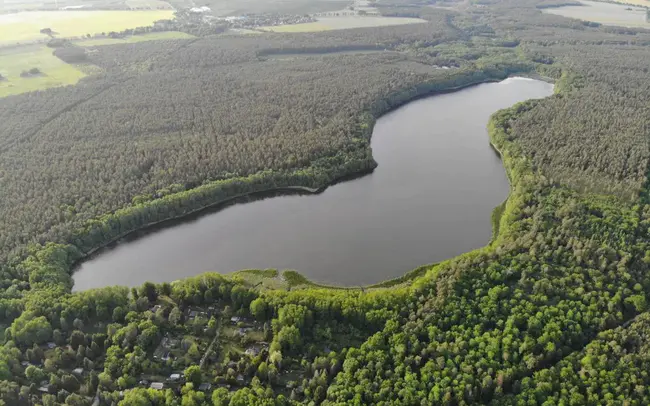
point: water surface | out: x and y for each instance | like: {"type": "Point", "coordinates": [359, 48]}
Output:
{"type": "Point", "coordinates": [429, 199]}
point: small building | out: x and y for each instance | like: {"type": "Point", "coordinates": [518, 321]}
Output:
{"type": "Point", "coordinates": [252, 351]}
{"type": "Point", "coordinates": [204, 387]}
{"type": "Point", "coordinates": [78, 371]}
{"type": "Point", "coordinates": [175, 377]}
{"type": "Point", "coordinates": [45, 388]}
{"type": "Point", "coordinates": [157, 385]}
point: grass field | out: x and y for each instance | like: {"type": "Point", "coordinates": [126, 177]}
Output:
{"type": "Point", "coordinates": [341, 23]}
{"type": "Point", "coordinates": [645, 3]}
{"type": "Point", "coordinates": [604, 13]}
{"type": "Point", "coordinates": [133, 39]}
{"type": "Point", "coordinates": [55, 72]}
{"type": "Point", "coordinates": [26, 26]}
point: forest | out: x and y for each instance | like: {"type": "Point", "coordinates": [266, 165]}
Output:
{"type": "Point", "coordinates": [553, 312]}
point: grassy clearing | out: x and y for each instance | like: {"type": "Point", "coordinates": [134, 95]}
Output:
{"type": "Point", "coordinates": [133, 39]}
{"type": "Point", "coordinates": [341, 23]}
{"type": "Point", "coordinates": [643, 3]}
{"type": "Point", "coordinates": [306, 27]}
{"type": "Point", "coordinates": [26, 26]}
{"type": "Point", "coordinates": [55, 72]}
{"type": "Point", "coordinates": [604, 13]}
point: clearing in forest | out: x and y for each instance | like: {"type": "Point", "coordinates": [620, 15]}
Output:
{"type": "Point", "coordinates": [341, 23]}
{"type": "Point", "coordinates": [605, 13]}
{"type": "Point", "coordinates": [53, 71]}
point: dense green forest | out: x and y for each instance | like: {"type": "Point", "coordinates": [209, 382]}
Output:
{"type": "Point", "coordinates": [553, 312]}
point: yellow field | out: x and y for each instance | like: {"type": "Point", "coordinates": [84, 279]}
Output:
{"type": "Point", "coordinates": [26, 26]}
{"type": "Point", "coordinates": [306, 27]}
{"type": "Point", "coordinates": [133, 39]}
{"type": "Point", "coordinates": [55, 72]}
{"type": "Point", "coordinates": [342, 23]}
{"type": "Point", "coordinates": [645, 3]}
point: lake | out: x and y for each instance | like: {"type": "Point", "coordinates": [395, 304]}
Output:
{"type": "Point", "coordinates": [604, 13]}
{"type": "Point", "coordinates": [429, 199]}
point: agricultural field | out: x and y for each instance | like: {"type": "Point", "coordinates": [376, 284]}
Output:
{"type": "Point", "coordinates": [341, 23]}
{"type": "Point", "coordinates": [133, 39]}
{"type": "Point", "coordinates": [54, 72]}
{"type": "Point", "coordinates": [26, 26]}
{"type": "Point", "coordinates": [33, 5]}
{"type": "Point", "coordinates": [642, 3]}
{"type": "Point", "coordinates": [605, 13]}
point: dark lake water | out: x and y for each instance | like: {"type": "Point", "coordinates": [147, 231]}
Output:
{"type": "Point", "coordinates": [429, 199]}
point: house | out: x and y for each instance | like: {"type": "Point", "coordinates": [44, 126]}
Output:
{"type": "Point", "coordinates": [157, 385]}
{"type": "Point", "coordinates": [44, 388]}
{"type": "Point", "coordinates": [78, 371]}
{"type": "Point", "coordinates": [204, 387]}
{"type": "Point", "coordinates": [252, 351]}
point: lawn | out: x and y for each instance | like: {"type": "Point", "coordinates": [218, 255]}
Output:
{"type": "Point", "coordinates": [54, 71]}
{"type": "Point", "coordinates": [26, 26]}
{"type": "Point", "coordinates": [133, 39]}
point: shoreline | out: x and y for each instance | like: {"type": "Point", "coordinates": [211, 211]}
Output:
{"type": "Point", "coordinates": [218, 205]}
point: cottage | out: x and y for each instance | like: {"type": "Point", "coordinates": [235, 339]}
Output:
{"type": "Point", "coordinates": [204, 387]}
{"type": "Point", "coordinates": [157, 385]}
{"type": "Point", "coordinates": [252, 351]}
{"type": "Point", "coordinates": [44, 388]}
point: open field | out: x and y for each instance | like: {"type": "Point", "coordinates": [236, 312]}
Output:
{"type": "Point", "coordinates": [133, 39]}
{"type": "Point", "coordinates": [604, 13]}
{"type": "Point", "coordinates": [26, 26]}
{"type": "Point", "coordinates": [341, 23]}
{"type": "Point", "coordinates": [55, 72]}
{"type": "Point", "coordinates": [643, 3]}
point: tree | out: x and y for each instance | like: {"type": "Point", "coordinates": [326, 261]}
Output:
{"type": "Point", "coordinates": [259, 309]}
{"type": "Point", "coordinates": [193, 374]}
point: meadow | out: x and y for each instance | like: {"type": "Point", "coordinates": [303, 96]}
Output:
{"type": "Point", "coordinates": [26, 26]}
{"type": "Point", "coordinates": [55, 72]}
{"type": "Point", "coordinates": [604, 13]}
{"type": "Point", "coordinates": [133, 39]}
{"type": "Point", "coordinates": [341, 23]}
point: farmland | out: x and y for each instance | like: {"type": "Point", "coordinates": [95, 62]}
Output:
{"type": "Point", "coordinates": [54, 71]}
{"type": "Point", "coordinates": [341, 23]}
{"type": "Point", "coordinates": [26, 26]}
{"type": "Point", "coordinates": [133, 39]}
{"type": "Point", "coordinates": [604, 13]}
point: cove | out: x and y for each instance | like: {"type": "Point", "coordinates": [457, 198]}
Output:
{"type": "Point", "coordinates": [429, 199]}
